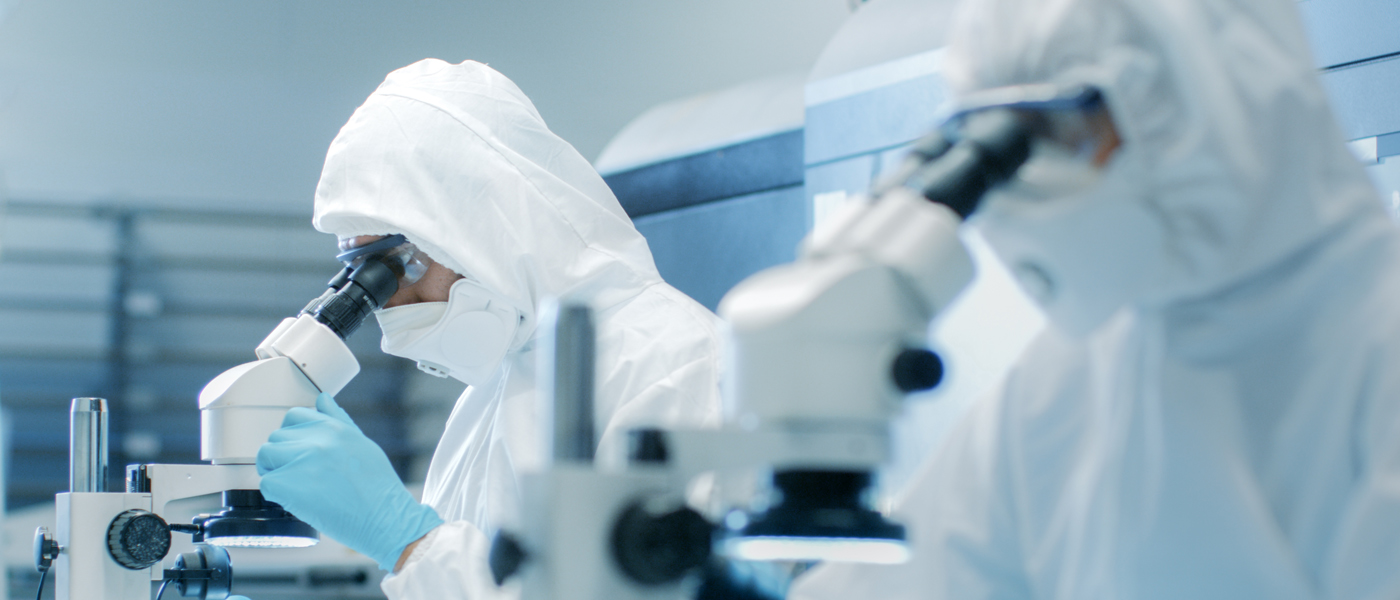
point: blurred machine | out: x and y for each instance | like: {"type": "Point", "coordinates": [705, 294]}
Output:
{"type": "Point", "coordinates": [714, 182]}
{"type": "Point", "coordinates": [112, 544]}
{"type": "Point", "coordinates": [822, 350]}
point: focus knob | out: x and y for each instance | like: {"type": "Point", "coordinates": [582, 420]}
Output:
{"type": "Point", "coordinates": [659, 541]}
{"type": "Point", "coordinates": [138, 539]}
{"type": "Point", "coordinates": [507, 555]}
{"type": "Point", "coordinates": [916, 370]}
{"type": "Point", "coordinates": [45, 549]}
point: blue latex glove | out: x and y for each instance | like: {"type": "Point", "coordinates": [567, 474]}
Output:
{"type": "Point", "coordinates": [321, 468]}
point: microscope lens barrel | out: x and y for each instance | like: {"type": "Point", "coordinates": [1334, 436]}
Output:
{"type": "Point", "coordinates": [87, 445]}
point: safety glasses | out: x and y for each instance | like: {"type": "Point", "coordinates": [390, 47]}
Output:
{"type": "Point", "coordinates": [1073, 134]}
{"type": "Point", "coordinates": [403, 258]}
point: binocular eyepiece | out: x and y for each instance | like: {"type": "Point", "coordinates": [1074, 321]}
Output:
{"type": "Point", "coordinates": [353, 294]}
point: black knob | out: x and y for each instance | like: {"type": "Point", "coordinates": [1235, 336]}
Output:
{"type": "Point", "coordinates": [647, 446]}
{"type": "Point", "coordinates": [916, 370]}
{"type": "Point", "coordinates": [657, 542]}
{"type": "Point", "coordinates": [138, 539]}
{"type": "Point", "coordinates": [45, 549]}
{"type": "Point", "coordinates": [507, 555]}
{"type": "Point", "coordinates": [204, 573]}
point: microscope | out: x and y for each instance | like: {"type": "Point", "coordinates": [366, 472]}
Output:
{"type": "Point", "coordinates": [110, 545]}
{"type": "Point", "coordinates": [820, 354]}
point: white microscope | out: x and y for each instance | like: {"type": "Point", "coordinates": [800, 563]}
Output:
{"type": "Point", "coordinates": [111, 545]}
{"type": "Point", "coordinates": [821, 352]}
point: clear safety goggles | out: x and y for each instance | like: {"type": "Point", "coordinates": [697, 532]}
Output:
{"type": "Point", "coordinates": [1073, 134]}
{"type": "Point", "coordinates": [403, 258]}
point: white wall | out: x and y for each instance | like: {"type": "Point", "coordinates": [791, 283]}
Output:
{"type": "Point", "coordinates": [214, 100]}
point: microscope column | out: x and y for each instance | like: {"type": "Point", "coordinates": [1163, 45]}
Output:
{"type": "Point", "coordinates": [570, 508]}
{"type": "Point", "coordinates": [85, 568]}
{"type": "Point", "coordinates": [87, 445]}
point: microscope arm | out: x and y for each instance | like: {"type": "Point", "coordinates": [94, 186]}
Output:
{"type": "Point", "coordinates": [299, 360]}
{"type": "Point", "coordinates": [832, 342]}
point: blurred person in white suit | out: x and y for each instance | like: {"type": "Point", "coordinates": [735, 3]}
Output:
{"type": "Point", "coordinates": [498, 213]}
{"type": "Point", "coordinates": [1214, 408]}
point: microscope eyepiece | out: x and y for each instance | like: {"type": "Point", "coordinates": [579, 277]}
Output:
{"type": "Point", "coordinates": [362, 291]}
{"type": "Point", "coordinates": [373, 273]}
{"type": "Point", "coordinates": [993, 144]}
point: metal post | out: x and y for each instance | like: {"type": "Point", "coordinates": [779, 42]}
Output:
{"type": "Point", "coordinates": [87, 445]}
{"type": "Point", "coordinates": [568, 369]}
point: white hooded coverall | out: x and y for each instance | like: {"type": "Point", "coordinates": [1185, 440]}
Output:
{"type": "Point", "coordinates": [456, 158]}
{"type": "Point", "coordinates": [1232, 428]}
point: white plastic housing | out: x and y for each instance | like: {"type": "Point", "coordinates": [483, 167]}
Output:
{"type": "Point", "coordinates": [569, 513]}
{"type": "Point", "coordinates": [245, 404]}
{"type": "Point", "coordinates": [317, 351]}
{"type": "Point", "coordinates": [842, 446]}
{"type": "Point", "coordinates": [85, 570]}
{"type": "Point", "coordinates": [815, 341]}
{"type": "Point", "coordinates": [915, 237]}
{"type": "Point", "coordinates": [241, 407]}
{"type": "Point", "coordinates": [264, 349]}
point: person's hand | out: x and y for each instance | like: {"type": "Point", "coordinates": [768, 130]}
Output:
{"type": "Point", "coordinates": [321, 468]}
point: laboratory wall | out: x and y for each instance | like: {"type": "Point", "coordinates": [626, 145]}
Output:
{"type": "Point", "coordinates": [1358, 52]}
{"type": "Point", "coordinates": [714, 218]}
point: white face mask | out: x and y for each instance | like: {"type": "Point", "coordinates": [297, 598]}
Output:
{"type": "Point", "coordinates": [465, 338]}
{"type": "Point", "coordinates": [1080, 256]}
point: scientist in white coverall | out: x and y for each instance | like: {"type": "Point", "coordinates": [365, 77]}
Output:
{"type": "Point", "coordinates": [1214, 409]}
{"type": "Point", "coordinates": [504, 214]}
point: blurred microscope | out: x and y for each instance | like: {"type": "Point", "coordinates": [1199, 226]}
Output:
{"type": "Point", "coordinates": [821, 352]}
{"type": "Point", "coordinates": [110, 545]}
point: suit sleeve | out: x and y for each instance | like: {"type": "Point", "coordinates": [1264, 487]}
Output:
{"type": "Point", "coordinates": [449, 564]}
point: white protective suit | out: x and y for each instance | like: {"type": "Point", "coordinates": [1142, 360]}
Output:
{"type": "Point", "coordinates": [456, 158]}
{"type": "Point", "coordinates": [1231, 430]}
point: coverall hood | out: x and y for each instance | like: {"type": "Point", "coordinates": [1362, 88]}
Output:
{"type": "Point", "coordinates": [1239, 162]}
{"type": "Point", "coordinates": [457, 159]}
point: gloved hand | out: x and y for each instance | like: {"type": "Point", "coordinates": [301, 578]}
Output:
{"type": "Point", "coordinates": [321, 468]}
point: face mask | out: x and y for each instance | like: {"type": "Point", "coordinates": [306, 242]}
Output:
{"type": "Point", "coordinates": [1080, 256]}
{"type": "Point", "coordinates": [465, 338]}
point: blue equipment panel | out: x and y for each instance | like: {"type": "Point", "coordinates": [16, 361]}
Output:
{"type": "Point", "coordinates": [716, 217]}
